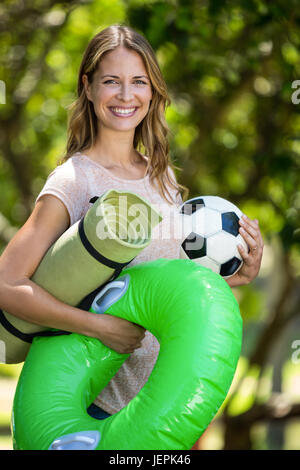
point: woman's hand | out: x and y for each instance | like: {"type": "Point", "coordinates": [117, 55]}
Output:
{"type": "Point", "coordinates": [118, 334]}
{"type": "Point", "coordinates": [250, 232]}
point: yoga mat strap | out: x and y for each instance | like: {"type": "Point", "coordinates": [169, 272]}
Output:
{"type": "Point", "coordinates": [27, 337]}
{"type": "Point", "coordinates": [86, 302]}
{"type": "Point", "coordinates": [93, 199]}
{"type": "Point", "coordinates": [93, 252]}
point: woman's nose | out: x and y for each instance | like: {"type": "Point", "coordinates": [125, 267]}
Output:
{"type": "Point", "coordinates": [125, 92]}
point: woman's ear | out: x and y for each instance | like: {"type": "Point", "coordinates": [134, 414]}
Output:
{"type": "Point", "coordinates": [86, 85]}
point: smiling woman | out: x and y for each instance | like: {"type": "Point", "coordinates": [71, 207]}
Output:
{"type": "Point", "coordinates": [117, 140]}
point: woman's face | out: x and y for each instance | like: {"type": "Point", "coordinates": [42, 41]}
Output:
{"type": "Point", "coordinates": [121, 90]}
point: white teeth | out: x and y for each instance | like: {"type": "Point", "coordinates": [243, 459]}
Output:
{"type": "Point", "coordinates": [123, 111]}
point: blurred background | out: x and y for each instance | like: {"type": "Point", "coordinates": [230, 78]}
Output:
{"type": "Point", "coordinates": [233, 73]}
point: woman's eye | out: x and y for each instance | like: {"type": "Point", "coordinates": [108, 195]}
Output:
{"type": "Point", "coordinates": [140, 82]}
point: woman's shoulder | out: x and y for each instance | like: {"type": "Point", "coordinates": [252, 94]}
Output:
{"type": "Point", "coordinates": [71, 164]}
{"type": "Point", "coordinates": [68, 177]}
{"type": "Point", "coordinates": [71, 171]}
{"type": "Point", "coordinates": [69, 183]}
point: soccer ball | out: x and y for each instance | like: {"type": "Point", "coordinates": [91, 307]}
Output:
{"type": "Point", "coordinates": [211, 231]}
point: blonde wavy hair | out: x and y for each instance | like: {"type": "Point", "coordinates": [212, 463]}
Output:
{"type": "Point", "coordinates": [152, 133]}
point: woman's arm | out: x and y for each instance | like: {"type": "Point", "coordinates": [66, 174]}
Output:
{"type": "Point", "coordinates": [24, 299]}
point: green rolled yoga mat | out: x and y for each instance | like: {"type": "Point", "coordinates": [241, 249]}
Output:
{"type": "Point", "coordinates": [114, 230]}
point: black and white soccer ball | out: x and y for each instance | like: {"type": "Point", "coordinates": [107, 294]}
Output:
{"type": "Point", "coordinates": [211, 234]}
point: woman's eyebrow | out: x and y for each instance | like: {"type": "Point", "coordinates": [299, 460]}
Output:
{"type": "Point", "coordinates": [116, 76]}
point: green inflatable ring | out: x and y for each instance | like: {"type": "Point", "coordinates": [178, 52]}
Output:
{"type": "Point", "coordinates": [195, 317]}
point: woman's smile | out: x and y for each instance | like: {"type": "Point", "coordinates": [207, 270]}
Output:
{"type": "Point", "coordinates": [123, 112]}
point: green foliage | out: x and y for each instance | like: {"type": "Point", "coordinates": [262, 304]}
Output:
{"type": "Point", "coordinates": [39, 65]}
{"type": "Point", "coordinates": [233, 133]}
